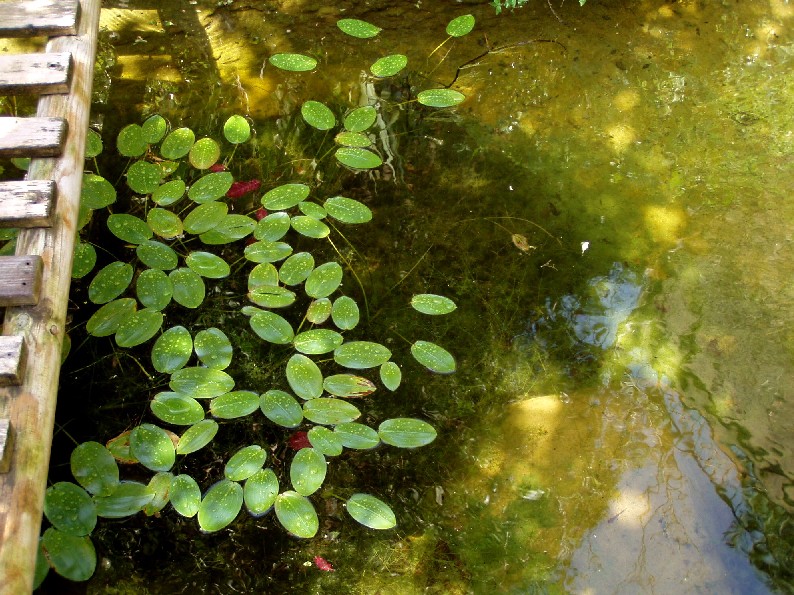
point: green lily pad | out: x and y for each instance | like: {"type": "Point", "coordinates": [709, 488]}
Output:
{"type": "Point", "coordinates": [97, 192]}
{"type": "Point", "coordinates": [205, 217]}
{"type": "Point", "coordinates": [324, 280]}
{"type": "Point", "coordinates": [319, 311]}
{"type": "Point", "coordinates": [281, 408]}
{"type": "Point", "coordinates": [185, 495]}
{"type": "Point", "coordinates": [307, 471]}
{"type": "Point", "coordinates": [345, 313]}
{"type": "Point", "coordinates": [433, 357]}
{"type": "Point", "coordinates": [460, 26]}
{"type": "Point", "coordinates": [358, 158]}
{"type": "Point", "coordinates": [245, 462]}
{"type": "Point", "coordinates": [406, 432]}
{"type": "Point", "coordinates": [201, 383]}
{"type": "Point", "coordinates": [262, 274]}
{"type": "Point", "coordinates": [127, 499]}
{"type": "Point", "coordinates": [304, 377]}
{"type": "Point", "coordinates": [358, 436]}
{"type": "Point", "coordinates": [164, 223]}
{"type": "Point", "coordinates": [169, 193]}
{"type": "Point", "coordinates": [236, 130]}
{"type": "Point", "coordinates": [70, 509]}
{"type": "Point", "coordinates": [296, 268]}
{"type": "Point", "coordinates": [296, 514]}
{"type": "Point", "coordinates": [42, 568]}
{"type": "Point", "coordinates": [154, 128]}
{"type": "Point", "coordinates": [310, 227]}
{"type": "Point", "coordinates": [160, 484]}
{"type": "Point", "coordinates": [119, 447]}
{"type": "Point", "coordinates": [329, 412]}
{"type": "Point", "coordinates": [93, 144]}
{"type": "Point", "coordinates": [144, 177]}
{"type": "Point", "coordinates": [208, 265]}
{"type": "Point", "coordinates": [213, 348]}
{"type": "Point", "coordinates": [312, 209]}
{"type": "Point", "coordinates": [105, 321]}
{"type": "Point", "coordinates": [391, 375]}
{"type": "Point", "coordinates": [360, 119]}
{"type": "Point", "coordinates": [177, 409]}
{"type": "Point", "coordinates": [273, 227]}
{"type": "Point", "coordinates": [154, 289]}
{"type": "Point", "coordinates": [204, 153]}
{"type": "Point", "coordinates": [325, 441]}
{"type": "Point", "coordinates": [264, 251]}
{"type": "Point", "coordinates": [389, 65]}
{"type": "Point", "coordinates": [361, 354]}
{"type": "Point", "coordinates": [94, 468]}
{"type": "Point", "coordinates": [139, 327]}
{"type": "Point", "coordinates": [129, 228]}
{"type": "Point", "coordinates": [285, 196]}
{"type": "Point", "coordinates": [152, 446]}
{"type": "Point", "coordinates": [358, 28]}
{"type": "Point", "coordinates": [440, 97]}
{"type": "Point", "coordinates": [429, 303]}
{"type": "Point", "coordinates": [178, 143]}
{"type": "Point", "coordinates": [260, 491]}
{"type": "Point", "coordinates": [197, 436]}
{"type": "Point", "coordinates": [230, 229]}
{"type": "Point", "coordinates": [347, 210]}
{"type": "Point", "coordinates": [189, 289]}
{"type": "Point", "coordinates": [293, 62]}
{"type": "Point", "coordinates": [317, 341]}
{"type": "Point", "coordinates": [70, 556]}
{"type": "Point", "coordinates": [235, 404]}
{"type": "Point", "coordinates": [220, 505]}
{"type": "Point", "coordinates": [371, 512]}
{"type": "Point", "coordinates": [172, 350]}
{"type": "Point", "coordinates": [272, 327]}
{"type": "Point", "coordinates": [318, 115]}
{"type": "Point", "coordinates": [348, 385]}
{"type": "Point", "coordinates": [269, 296]}
{"type": "Point", "coordinates": [157, 255]}
{"type": "Point", "coordinates": [211, 186]}
{"type": "Point", "coordinates": [131, 142]}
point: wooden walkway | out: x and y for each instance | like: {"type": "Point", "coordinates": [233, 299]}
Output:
{"type": "Point", "coordinates": [34, 284]}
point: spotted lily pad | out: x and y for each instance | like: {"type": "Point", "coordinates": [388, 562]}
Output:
{"type": "Point", "coordinates": [460, 26]}
{"type": "Point", "coordinates": [235, 404]}
{"type": "Point", "coordinates": [178, 143]}
{"type": "Point", "coordinates": [371, 512]}
{"type": "Point", "coordinates": [169, 193]}
{"type": "Point", "coordinates": [236, 129]}
{"type": "Point", "coordinates": [220, 505]}
{"type": "Point", "coordinates": [272, 327]}
{"type": "Point", "coordinates": [273, 227]}
{"type": "Point", "coordinates": [324, 280]}
{"type": "Point", "coordinates": [200, 382]}
{"type": "Point", "coordinates": [127, 499]}
{"type": "Point", "coordinates": [347, 210]}
{"type": "Point", "coordinates": [139, 327]}
{"type": "Point", "coordinates": [245, 462]}
{"type": "Point", "coordinates": [325, 441]}
{"type": "Point", "coordinates": [355, 435]}
{"type": "Point", "coordinates": [345, 313]}
{"type": "Point", "coordinates": [213, 348]}
{"type": "Point", "coordinates": [211, 186]}
{"type": "Point", "coordinates": [406, 432]}
{"type": "Point", "coordinates": [70, 509]}
{"type": "Point", "coordinates": [205, 217]}
{"type": "Point", "coordinates": [318, 115]}
{"type": "Point", "coordinates": [440, 97]}
{"type": "Point", "coordinates": [296, 514]}
{"type": "Point", "coordinates": [310, 227]}
{"type": "Point", "coordinates": [360, 118]}
{"type": "Point", "coordinates": [131, 142]}
{"type": "Point", "coordinates": [391, 375]}
{"type": "Point", "coordinates": [105, 321]}
{"type": "Point", "coordinates": [204, 153]}
{"type": "Point", "coordinates": [208, 265]}
{"type": "Point", "coordinates": [293, 62]}
{"type": "Point", "coordinates": [129, 228]}
{"type": "Point", "coordinates": [144, 177]}
{"type": "Point", "coordinates": [164, 223]}
{"type": "Point", "coordinates": [358, 158]}
{"type": "Point", "coordinates": [189, 289]}
{"type": "Point", "coordinates": [389, 65]}
{"type": "Point", "coordinates": [172, 350]}
{"type": "Point", "coordinates": [317, 341]}
{"type": "Point", "coordinates": [153, 447]}
{"type": "Point", "coordinates": [358, 28]}
{"type": "Point", "coordinates": [281, 408]}
{"type": "Point", "coordinates": [285, 196]}
{"type": "Point", "coordinates": [84, 260]}
{"type": "Point", "coordinates": [304, 377]}
{"type": "Point", "coordinates": [433, 357]}
{"type": "Point", "coordinates": [157, 255]}
{"type": "Point", "coordinates": [296, 268]}
{"type": "Point", "coordinates": [154, 289]}
{"type": "Point", "coordinates": [348, 385]}
{"type": "Point", "coordinates": [70, 556]}
{"type": "Point", "coordinates": [307, 471]}
{"type": "Point", "coordinates": [429, 303]}
{"type": "Point", "coordinates": [197, 436]}
{"type": "Point", "coordinates": [185, 495]}
{"type": "Point", "coordinates": [329, 411]}
{"type": "Point", "coordinates": [176, 408]}
{"type": "Point", "coordinates": [94, 468]}
{"type": "Point", "coordinates": [361, 354]}
{"type": "Point", "coordinates": [260, 491]}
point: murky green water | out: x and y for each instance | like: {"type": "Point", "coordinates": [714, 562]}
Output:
{"type": "Point", "coordinates": [612, 214]}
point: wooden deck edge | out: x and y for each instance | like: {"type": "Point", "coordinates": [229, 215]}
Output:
{"type": "Point", "coordinates": [20, 280]}
{"type": "Point", "coordinates": [32, 137]}
{"type": "Point", "coordinates": [27, 204]}
{"type": "Point", "coordinates": [38, 74]}
{"type": "Point", "coordinates": [29, 18]}
{"type": "Point", "coordinates": [12, 361]}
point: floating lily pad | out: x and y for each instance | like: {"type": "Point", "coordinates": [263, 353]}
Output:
{"type": "Point", "coordinates": [273, 227]}
{"type": "Point", "coordinates": [319, 311]}
{"type": "Point", "coordinates": [152, 446]}
{"type": "Point", "coordinates": [361, 354]}
{"type": "Point", "coordinates": [358, 436]}
{"type": "Point", "coordinates": [358, 28]}
{"type": "Point", "coordinates": [310, 227]}
{"type": "Point", "coordinates": [318, 115]}
{"type": "Point", "coordinates": [144, 177]}
{"type": "Point", "coordinates": [164, 223]}
{"type": "Point", "coordinates": [260, 491]}
{"type": "Point", "coordinates": [178, 143]}
{"type": "Point", "coordinates": [347, 210]}
{"type": "Point", "coordinates": [264, 251]}
{"type": "Point", "coordinates": [328, 411]}
{"type": "Point", "coordinates": [93, 144]}
{"type": "Point", "coordinates": [208, 265]}
{"type": "Point", "coordinates": [296, 268]}
{"type": "Point", "coordinates": [70, 509]}
{"type": "Point", "coordinates": [129, 228]}
{"type": "Point", "coordinates": [285, 196]}
{"type": "Point", "coordinates": [119, 447]}
{"type": "Point", "coordinates": [154, 289]}
{"type": "Point", "coordinates": [325, 441]}
{"type": "Point", "coordinates": [352, 139]}
{"type": "Point", "coordinates": [197, 436]}
{"type": "Point", "coordinates": [348, 385]}
{"type": "Point", "coordinates": [213, 348]}
{"type": "Point", "coordinates": [293, 62]}
{"type": "Point", "coordinates": [324, 280]}
{"type": "Point", "coordinates": [131, 141]}
{"type": "Point", "coordinates": [177, 409]}
{"type": "Point", "coordinates": [345, 313]}
{"type": "Point", "coordinates": [105, 321]}
{"type": "Point", "coordinates": [220, 505]}
{"type": "Point", "coordinates": [172, 350]}
{"type": "Point", "coordinates": [94, 468]}
{"type": "Point", "coordinates": [154, 128]}
{"type": "Point", "coordinates": [127, 499]}
{"type": "Point", "coordinates": [160, 484]}
{"type": "Point", "coordinates": [236, 130]}
{"type": "Point", "coordinates": [360, 118]}
{"type": "Point", "coordinates": [296, 514]}
{"type": "Point", "coordinates": [406, 432]}
{"type": "Point", "coordinates": [211, 186]}
{"type": "Point", "coordinates": [281, 408]}
{"type": "Point", "coordinates": [312, 209]}
{"type": "Point", "coordinates": [304, 377]}
{"type": "Point", "coordinates": [189, 289]}
{"type": "Point", "coordinates": [262, 274]}
{"type": "Point", "coordinates": [205, 217]}
{"type": "Point", "coordinates": [433, 357]}
{"type": "Point", "coordinates": [204, 153]}
{"type": "Point", "coordinates": [139, 327]}
{"type": "Point", "coordinates": [245, 462]}
{"type": "Point", "coordinates": [391, 375]}
{"type": "Point", "coordinates": [269, 296]}
{"type": "Point", "coordinates": [97, 192]}
{"type": "Point", "coordinates": [307, 471]}
{"type": "Point", "coordinates": [185, 495]}
{"type": "Point", "coordinates": [428, 303]}
{"type": "Point", "coordinates": [317, 341]}
{"type": "Point", "coordinates": [272, 327]}
{"type": "Point", "coordinates": [169, 193]}
{"type": "Point", "coordinates": [460, 26]}
{"type": "Point", "coordinates": [389, 65]}
{"type": "Point", "coordinates": [201, 383]}
{"type": "Point", "coordinates": [358, 158]}
{"type": "Point", "coordinates": [230, 229]}
{"type": "Point", "coordinates": [371, 512]}
{"type": "Point", "coordinates": [235, 404]}
{"type": "Point", "coordinates": [157, 255]}
{"type": "Point", "coordinates": [440, 97]}
{"type": "Point", "coordinates": [70, 556]}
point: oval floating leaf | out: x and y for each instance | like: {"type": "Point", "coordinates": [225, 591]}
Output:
{"type": "Point", "coordinates": [208, 265]}
{"type": "Point", "coordinates": [154, 128]}
{"type": "Point", "coordinates": [358, 28]}
{"type": "Point", "coordinates": [172, 350]}
{"type": "Point", "coordinates": [406, 432]}
{"type": "Point", "coordinates": [213, 348]}
{"type": "Point", "coordinates": [235, 404]}
{"type": "Point", "coordinates": [296, 514]}
{"type": "Point", "coordinates": [220, 505]}
{"type": "Point", "coordinates": [160, 484]}
{"type": "Point", "coordinates": [185, 495]}
{"type": "Point", "coordinates": [119, 447]}
{"type": "Point", "coordinates": [177, 409]}
{"type": "Point", "coordinates": [152, 446]}
{"type": "Point", "coordinates": [433, 357]}
{"type": "Point", "coordinates": [127, 499]}
{"type": "Point", "coordinates": [129, 228]}
{"type": "Point", "coordinates": [285, 196]}
{"type": "Point", "coordinates": [345, 313]}
{"type": "Point", "coordinates": [267, 251]}
{"type": "Point", "coordinates": [97, 192]}
{"type": "Point", "coordinates": [312, 209]}
{"type": "Point", "coordinates": [358, 158]}
{"type": "Point", "coordinates": [131, 142]}
{"type": "Point", "coordinates": [94, 468]}
{"type": "Point", "coordinates": [272, 327]}
{"type": "Point", "coordinates": [169, 193]}
{"type": "Point", "coordinates": [139, 327]}
{"type": "Point", "coordinates": [262, 274]}
{"type": "Point", "coordinates": [144, 177]}
{"type": "Point", "coordinates": [317, 341]}
{"type": "Point", "coordinates": [304, 377]}
{"type": "Point", "coordinates": [319, 311]}
{"type": "Point", "coordinates": [389, 65]}
{"type": "Point", "coordinates": [70, 509]}
{"type": "Point", "coordinates": [269, 296]}
{"type": "Point", "coordinates": [260, 491]}
{"type": "Point", "coordinates": [361, 354]}
{"type": "Point", "coordinates": [324, 280]}
{"type": "Point", "coordinates": [460, 26]}
{"type": "Point", "coordinates": [329, 412]}
{"type": "Point", "coordinates": [325, 441]}
{"type": "Point", "coordinates": [157, 255]}
{"type": "Point", "coordinates": [281, 408]}
{"type": "Point", "coordinates": [204, 153]}
{"type": "Point", "coordinates": [197, 436]}
{"type": "Point", "coordinates": [371, 512]}
{"type": "Point", "coordinates": [105, 321]}
{"type": "Point", "coordinates": [347, 210]}
{"type": "Point", "coordinates": [360, 118]}
{"type": "Point", "coordinates": [178, 143]}
{"type": "Point", "coordinates": [70, 556]}
{"type": "Point", "coordinates": [273, 227]}
{"type": "Point", "coordinates": [245, 462]}
{"type": "Point", "coordinates": [211, 186]}
{"type": "Point", "coordinates": [358, 436]}
{"type": "Point", "coordinates": [164, 223]}
{"type": "Point", "coordinates": [318, 115]}
{"type": "Point", "coordinates": [293, 62]}
{"type": "Point", "coordinates": [352, 139]}
{"type": "Point", "coordinates": [440, 97]}
{"type": "Point", "coordinates": [348, 385]}
{"type": "Point", "coordinates": [296, 268]}
{"type": "Point", "coordinates": [429, 303]}
{"type": "Point", "coordinates": [310, 227]}
{"type": "Point", "coordinates": [307, 471]}
{"type": "Point", "coordinates": [154, 289]}
{"type": "Point", "coordinates": [189, 289]}
{"type": "Point", "coordinates": [230, 229]}
{"type": "Point", "coordinates": [236, 130]}
{"type": "Point", "coordinates": [201, 383]}
{"type": "Point", "coordinates": [391, 375]}
{"type": "Point", "coordinates": [205, 217]}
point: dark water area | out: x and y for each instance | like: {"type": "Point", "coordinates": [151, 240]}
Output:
{"type": "Point", "coordinates": [610, 210]}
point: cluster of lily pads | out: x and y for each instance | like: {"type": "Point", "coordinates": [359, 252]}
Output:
{"type": "Point", "coordinates": [177, 238]}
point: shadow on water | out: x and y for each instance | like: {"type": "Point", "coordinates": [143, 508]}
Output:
{"type": "Point", "coordinates": [600, 435]}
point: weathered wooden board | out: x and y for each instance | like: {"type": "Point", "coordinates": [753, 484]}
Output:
{"type": "Point", "coordinates": [6, 445]}
{"type": "Point", "coordinates": [32, 137]}
{"type": "Point", "coordinates": [26, 18]}
{"type": "Point", "coordinates": [20, 280]}
{"type": "Point", "coordinates": [36, 74]}
{"type": "Point", "coordinates": [12, 360]}
{"type": "Point", "coordinates": [27, 204]}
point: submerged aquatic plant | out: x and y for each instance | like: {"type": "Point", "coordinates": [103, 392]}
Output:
{"type": "Point", "coordinates": [178, 237]}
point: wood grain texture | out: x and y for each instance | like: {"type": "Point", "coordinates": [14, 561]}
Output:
{"type": "Point", "coordinates": [27, 18]}
{"type": "Point", "coordinates": [30, 407]}
{"type": "Point", "coordinates": [6, 445]}
{"type": "Point", "coordinates": [12, 360]}
{"type": "Point", "coordinates": [27, 204]}
{"type": "Point", "coordinates": [32, 137]}
{"type": "Point", "coordinates": [20, 280]}
{"type": "Point", "coordinates": [37, 74]}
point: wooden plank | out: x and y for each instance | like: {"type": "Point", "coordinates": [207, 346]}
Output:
{"type": "Point", "coordinates": [27, 18]}
{"type": "Point", "coordinates": [32, 137]}
{"type": "Point", "coordinates": [31, 407]}
{"type": "Point", "coordinates": [36, 74]}
{"type": "Point", "coordinates": [27, 204]}
{"type": "Point", "coordinates": [6, 445]}
{"type": "Point", "coordinates": [20, 280]}
{"type": "Point", "coordinates": [12, 360]}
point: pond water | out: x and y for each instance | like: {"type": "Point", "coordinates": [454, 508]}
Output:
{"type": "Point", "coordinates": [610, 209]}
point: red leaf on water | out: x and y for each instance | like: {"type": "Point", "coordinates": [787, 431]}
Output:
{"type": "Point", "coordinates": [239, 189]}
{"type": "Point", "coordinates": [323, 564]}
{"type": "Point", "coordinates": [298, 440]}
{"type": "Point", "coordinates": [260, 214]}
{"type": "Point", "coordinates": [218, 167]}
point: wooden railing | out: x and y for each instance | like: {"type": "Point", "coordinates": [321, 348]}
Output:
{"type": "Point", "coordinates": [34, 284]}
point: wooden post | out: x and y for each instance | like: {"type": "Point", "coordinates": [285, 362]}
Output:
{"type": "Point", "coordinates": [30, 408]}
